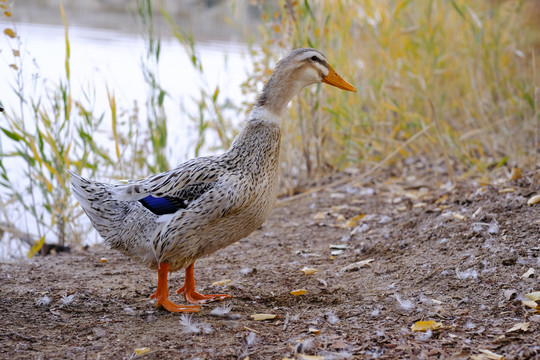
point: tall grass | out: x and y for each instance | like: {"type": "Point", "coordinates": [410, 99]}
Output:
{"type": "Point", "coordinates": [156, 117]}
{"type": "Point", "coordinates": [52, 132]}
{"type": "Point", "coordinates": [48, 134]}
{"type": "Point", "coordinates": [461, 73]}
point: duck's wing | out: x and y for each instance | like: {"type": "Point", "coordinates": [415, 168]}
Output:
{"type": "Point", "coordinates": [170, 204]}
{"type": "Point", "coordinates": [168, 192]}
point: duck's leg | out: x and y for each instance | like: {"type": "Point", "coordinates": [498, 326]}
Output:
{"type": "Point", "coordinates": [189, 290]}
{"type": "Point", "coordinates": [162, 293]}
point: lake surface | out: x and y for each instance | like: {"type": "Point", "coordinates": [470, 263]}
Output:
{"type": "Point", "coordinates": [101, 58]}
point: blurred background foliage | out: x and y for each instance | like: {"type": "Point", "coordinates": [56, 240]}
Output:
{"type": "Point", "coordinates": [449, 82]}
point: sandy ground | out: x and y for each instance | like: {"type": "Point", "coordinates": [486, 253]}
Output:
{"type": "Point", "coordinates": [408, 249]}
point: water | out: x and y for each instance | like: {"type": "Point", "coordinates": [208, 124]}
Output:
{"type": "Point", "coordinates": [106, 58]}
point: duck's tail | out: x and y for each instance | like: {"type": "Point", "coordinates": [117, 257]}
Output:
{"type": "Point", "coordinates": [124, 225]}
{"type": "Point", "coordinates": [97, 202]}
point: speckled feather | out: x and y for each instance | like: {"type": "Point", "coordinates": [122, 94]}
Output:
{"type": "Point", "coordinates": [239, 185]}
{"type": "Point", "coordinates": [226, 196]}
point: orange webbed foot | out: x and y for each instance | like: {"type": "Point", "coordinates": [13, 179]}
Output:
{"type": "Point", "coordinates": [194, 297]}
{"type": "Point", "coordinates": [181, 290]}
{"type": "Point", "coordinates": [169, 305]}
{"type": "Point", "coordinates": [162, 294]}
{"type": "Point", "coordinates": [172, 307]}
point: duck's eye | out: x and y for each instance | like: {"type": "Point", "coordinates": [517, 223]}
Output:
{"type": "Point", "coordinates": [314, 58]}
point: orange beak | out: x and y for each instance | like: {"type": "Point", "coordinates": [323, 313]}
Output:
{"type": "Point", "coordinates": [334, 79]}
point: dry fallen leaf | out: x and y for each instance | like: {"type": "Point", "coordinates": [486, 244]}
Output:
{"type": "Point", "coordinates": [519, 327]}
{"type": "Point", "coordinates": [458, 216]}
{"type": "Point", "coordinates": [516, 174]}
{"type": "Point", "coordinates": [442, 199]}
{"type": "Point", "coordinates": [528, 274]}
{"type": "Point", "coordinates": [534, 200]}
{"type": "Point", "coordinates": [357, 265]}
{"type": "Point", "coordinates": [484, 180]}
{"type": "Point", "coordinates": [352, 222]}
{"type": "Point", "coordinates": [319, 216]}
{"type": "Point", "coordinates": [221, 282]}
{"type": "Point", "coordinates": [507, 190]}
{"type": "Point", "coordinates": [338, 208]}
{"type": "Point", "coordinates": [486, 354]}
{"type": "Point", "coordinates": [309, 271]}
{"type": "Point", "coordinates": [141, 351]}
{"type": "Point", "coordinates": [531, 304]}
{"type": "Point", "coordinates": [310, 357]}
{"type": "Point", "coordinates": [534, 296]}
{"type": "Point", "coordinates": [260, 317]}
{"type": "Point", "coordinates": [426, 325]}
{"type": "Point", "coordinates": [298, 292]}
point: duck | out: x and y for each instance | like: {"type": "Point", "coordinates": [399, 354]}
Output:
{"type": "Point", "coordinates": [169, 220]}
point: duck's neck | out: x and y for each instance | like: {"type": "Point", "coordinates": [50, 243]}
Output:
{"type": "Point", "coordinates": [277, 93]}
{"type": "Point", "coordinates": [263, 126]}
{"type": "Point", "coordinates": [264, 115]}
{"type": "Point", "coordinates": [259, 140]}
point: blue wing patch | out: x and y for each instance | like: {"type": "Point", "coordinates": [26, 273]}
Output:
{"type": "Point", "coordinates": [164, 205]}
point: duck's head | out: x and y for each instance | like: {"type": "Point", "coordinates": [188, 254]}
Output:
{"type": "Point", "coordinates": [302, 67]}
{"type": "Point", "coordinates": [309, 66]}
